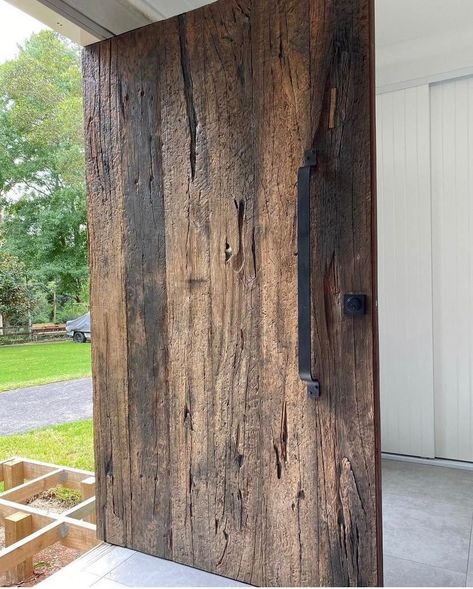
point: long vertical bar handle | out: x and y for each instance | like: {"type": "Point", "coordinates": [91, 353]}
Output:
{"type": "Point", "coordinates": [304, 274]}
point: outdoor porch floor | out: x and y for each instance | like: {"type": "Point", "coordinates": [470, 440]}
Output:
{"type": "Point", "coordinates": [428, 515]}
{"type": "Point", "coordinates": [107, 567]}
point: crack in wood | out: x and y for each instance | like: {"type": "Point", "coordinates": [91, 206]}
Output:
{"type": "Point", "coordinates": [189, 94]}
{"type": "Point", "coordinates": [239, 259]}
{"type": "Point", "coordinates": [278, 462]}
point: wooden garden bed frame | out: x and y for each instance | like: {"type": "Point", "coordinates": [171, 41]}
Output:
{"type": "Point", "coordinates": [29, 530]}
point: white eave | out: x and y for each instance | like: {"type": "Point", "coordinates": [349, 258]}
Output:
{"type": "Point", "coordinates": [88, 21]}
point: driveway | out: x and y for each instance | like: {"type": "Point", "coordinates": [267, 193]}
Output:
{"type": "Point", "coordinates": [26, 409]}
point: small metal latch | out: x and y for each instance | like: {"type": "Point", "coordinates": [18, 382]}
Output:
{"type": "Point", "coordinates": [354, 305]}
{"type": "Point", "coordinates": [313, 388]}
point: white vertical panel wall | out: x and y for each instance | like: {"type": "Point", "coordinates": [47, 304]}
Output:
{"type": "Point", "coordinates": [452, 227]}
{"type": "Point", "coordinates": [405, 281]}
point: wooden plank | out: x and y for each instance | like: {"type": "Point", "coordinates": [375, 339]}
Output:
{"type": "Point", "coordinates": [209, 451]}
{"type": "Point", "coordinates": [1, 470]}
{"type": "Point", "coordinates": [38, 529]}
{"type": "Point", "coordinates": [31, 488]}
{"type": "Point", "coordinates": [31, 545]}
{"type": "Point", "coordinates": [109, 360]}
{"type": "Point", "coordinates": [18, 526]}
{"type": "Point", "coordinates": [35, 468]}
{"type": "Point", "coordinates": [40, 519]}
{"type": "Point", "coordinates": [286, 413]}
{"type": "Point", "coordinates": [13, 473]}
{"type": "Point", "coordinates": [87, 488]}
{"type": "Point", "coordinates": [345, 430]}
{"type": "Point", "coordinates": [80, 536]}
{"type": "Point", "coordinates": [85, 510]}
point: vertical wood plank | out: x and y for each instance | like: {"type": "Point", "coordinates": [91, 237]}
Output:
{"type": "Point", "coordinates": [282, 83]}
{"type": "Point", "coordinates": [345, 349]}
{"type": "Point", "coordinates": [18, 526]}
{"type": "Point", "coordinates": [87, 490]}
{"type": "Point", "coordinates": [108, 293]}
{"type": "Point", "coordinates": [13, 475]}
{"type": "Point", "coordinates": [140, 95]}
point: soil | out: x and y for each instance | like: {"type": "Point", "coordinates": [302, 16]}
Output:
{"type": "Point", "coordinates": [53, 558]}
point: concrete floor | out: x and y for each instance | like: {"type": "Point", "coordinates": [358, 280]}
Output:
{"type": "Point", "coordinates": [428, 514]}
{"type": "Point", "coordinates": [112, 567]}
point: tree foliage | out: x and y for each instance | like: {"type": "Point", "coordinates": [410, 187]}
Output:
{"type": "Point", "coordinates": [16, 297]}
{"type": "Point", "coordinates": [42, 163]}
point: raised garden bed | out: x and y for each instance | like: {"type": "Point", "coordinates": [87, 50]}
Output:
{"type": "Point", "coordinates": [47, 515]}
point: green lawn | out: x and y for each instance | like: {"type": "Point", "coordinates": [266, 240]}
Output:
{"type": "Point", "coordinates": [33, 364]}
{"type": "Point", "coordinates": [69, 444]}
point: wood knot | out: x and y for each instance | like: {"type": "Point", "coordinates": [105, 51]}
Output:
{"type": "Point", "coordinates": [228, 252]}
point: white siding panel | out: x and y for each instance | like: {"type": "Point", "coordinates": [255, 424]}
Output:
{"type": "Point", "coordinates": [452, 227]}
{"type": "Point", "coordinates": [405, 278]}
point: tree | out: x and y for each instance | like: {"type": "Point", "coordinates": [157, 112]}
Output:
{"type": "Point", "coordinates": [42, 163]}
{"type": "Point", "coordinates": [16, 297]}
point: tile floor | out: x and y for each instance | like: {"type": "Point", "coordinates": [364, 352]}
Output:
{"type": "Point", "coordinates": [428, 514]}
{"type": "Point", "coordinates": [112, 567]}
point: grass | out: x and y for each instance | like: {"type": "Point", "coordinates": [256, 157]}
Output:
{"type": "Point", "coordinates": [32, 364]}
{"type": "Point", "coordinates": [69, 444]}
{"type": "Point", "coordinates": [67, 497]}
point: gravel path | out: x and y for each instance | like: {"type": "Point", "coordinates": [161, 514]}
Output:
{"type": "Point", "coordinates": [26, 409]}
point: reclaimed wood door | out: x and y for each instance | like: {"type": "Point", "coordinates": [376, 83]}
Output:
{"type": "Point", "coordinates": [209, 449]}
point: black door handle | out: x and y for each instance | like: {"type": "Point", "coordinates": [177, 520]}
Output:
{"type": "Point", "coordinates": [304, 274]}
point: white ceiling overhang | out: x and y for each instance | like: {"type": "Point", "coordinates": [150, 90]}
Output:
{"type": "Point", "coordinates": [88, 21]}
{"type": "Point", "coordinates": [397, 21]}
{"type": "Point", "coordinates": [422, 41]}
{"type": "Point", "coordinates": [418, 41]}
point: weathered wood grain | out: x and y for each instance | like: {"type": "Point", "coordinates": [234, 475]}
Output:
{"type": "Point", "coordinates": [108, 293]}
{"type": "Point", "coordinates": [209, 451]}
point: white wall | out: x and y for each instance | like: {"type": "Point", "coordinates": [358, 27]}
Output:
{"type": "Point", "coordinates": [452, 226]}
{"type": "Point", "coordinates": [422, 41]}
{"type": "Point", "coordinates": [405, 280]}
{"type": "Point", "coordinates": [424, 51]}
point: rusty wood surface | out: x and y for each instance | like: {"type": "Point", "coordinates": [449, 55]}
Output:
{"type": "Point", "coordinates": [209, 451]}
